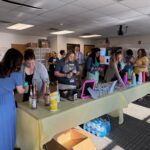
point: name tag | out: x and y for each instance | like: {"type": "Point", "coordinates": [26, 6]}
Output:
{"type": "Point", "coordinates": [71, 80]}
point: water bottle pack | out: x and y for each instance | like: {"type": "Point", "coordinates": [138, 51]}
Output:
{"type": "Point", "coordinates": [99, 127]}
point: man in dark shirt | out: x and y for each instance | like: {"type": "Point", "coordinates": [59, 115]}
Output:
{"type": "Point", "coordinates": [52, 64]}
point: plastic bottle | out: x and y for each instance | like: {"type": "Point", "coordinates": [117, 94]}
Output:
{"type": "Point", "coordinates": [140, 78]}
{"type": "Point", "coordinates": [125, 78]}
{"type": "Point", "coordinates": [34, 97]}
{"type": "Point", "coordinates": [58, 94]}
{"type": "Point", "coordinates": [30, 97]}
{"type": "Point", "coordinates": [143, 77]}
{"type": "Point", "coordinates": [89, 127]}
{"type": "Point", "coordinates": [133, 79]}
{"type": "Point", "coordinates": [129, 74]}
{"type": "Point", "coordinates": [47, 95]}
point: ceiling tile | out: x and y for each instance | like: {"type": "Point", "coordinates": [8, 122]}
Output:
{"type": "Point", "coordinates": [68, 1]}
{"type": "Point", "coordinates": [30, 10]}
{"type": "Point", "coordinates": [113, 8]}
{"type": "Point", "coordinates": [106, 19]}
{"type": "Point", "coordinates": [134, 19]}
{"type": "Point", "coordinates": [46, 4]}
{"type": "Point", "coordinates": [144, 10]}
{"type": "Point", "coordinates": [125, 14]}
{"type": "Point", "coordinates": [50, 16]}
{"type": "Point", "coordinates": [4, 10]}
{"type": "Point", "coordinates": [92, 4]}
{"type": "Point", "coordinates": [88, 15]}
{"type": "Point", "coordinates": [136, 3]}
{"type": "Point", "coordinates": [33, 21]}
{"type": "Point", "coordinates": [70, 10]}
{"type": "Point", "coordinates": [7, 5]}
{"type": "Point", "coordinates": [82, 16]}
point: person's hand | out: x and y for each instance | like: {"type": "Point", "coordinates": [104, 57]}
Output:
{"type": "Point", "coordinates": [100, 69]}
{"type": "Point", "coordinates": [69, 75]}
{"type": "Point", "coordinates": [135, 65]}
{"type": "Point", "coordinates": [74, 71]}
{"type": "Point", "coordinates": [123, 85]}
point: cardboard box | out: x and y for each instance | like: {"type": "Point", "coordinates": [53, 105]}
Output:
{"type": "Point", "coordinates": [43, 43]}
{"type": "Point", "coordinates": [72, 139]}
{"type": "Point", "coordinates": [31, 45]}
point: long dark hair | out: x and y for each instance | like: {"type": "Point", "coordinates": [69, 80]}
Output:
{"type": "Point", "coordinates": [11, 62]}
{"type": "Point", "coordinates": [93, 54]}
{"type": "Point", "coordinates": [115, 53]}
{"type": "Point", "coordinates": [29, 54]}
{"type": "Point", "coordinates": [143, 51]}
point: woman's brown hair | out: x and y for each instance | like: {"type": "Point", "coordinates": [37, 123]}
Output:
{"type": "Point", "coordinates": [11, 62]}
{"type": "Point", "coordinates": [69, 53]}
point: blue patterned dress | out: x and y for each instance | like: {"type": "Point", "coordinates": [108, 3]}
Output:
{"type": "Point", "coordinates": [8, 110]}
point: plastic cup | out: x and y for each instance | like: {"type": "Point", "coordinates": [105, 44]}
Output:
{"type": "Point", "coordinates": [26, 86]}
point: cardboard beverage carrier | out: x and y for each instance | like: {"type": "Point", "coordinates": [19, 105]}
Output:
{"type": "Point", "coordinates": [72, 139]}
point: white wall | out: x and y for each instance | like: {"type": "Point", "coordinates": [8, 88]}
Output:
{"type": "Point", "coordinates": [53, 43]}
{"type": "Point", "coordinates": [127, 42]}
{"type": "Point", "coordinates": [6, 39]}
{"type": "Point", "coordinates": [60, 42]}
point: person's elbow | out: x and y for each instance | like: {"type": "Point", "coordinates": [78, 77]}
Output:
{"type": "Point", "coordinates": [78, 73]}
{"type": "Point", "coordinates": [56, 73]}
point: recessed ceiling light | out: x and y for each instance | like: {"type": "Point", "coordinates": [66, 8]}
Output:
{"type": "Point", "coordinates": [90, 36]}
{"type": "Point", "coordinates": [20, 26]}
{"type": "Point", "coordinates": [62, 32]}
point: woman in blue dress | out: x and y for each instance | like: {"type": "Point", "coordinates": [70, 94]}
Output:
{"type": "Point", "coordinates": [10, 78]}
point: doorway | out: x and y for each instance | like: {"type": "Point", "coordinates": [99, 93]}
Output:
{"type": "Point", "coordinates": [87, 49]}
{"type": "Point", "coordinates": [71, 46]}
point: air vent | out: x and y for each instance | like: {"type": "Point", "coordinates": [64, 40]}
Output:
{"type": "Point", "coordinates": [53, 29]}
{"type": "Point", "coordinates": [20, 4]}
{"type": "Point", "coordinates": [86, 34]}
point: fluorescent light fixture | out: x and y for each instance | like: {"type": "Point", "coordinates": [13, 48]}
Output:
{"type": "Point", "coordinates": [20, 26]}
{"type": "Point", "coordinates": [90, 36]}
{"type": "Point", "coordinates": [62, 32]}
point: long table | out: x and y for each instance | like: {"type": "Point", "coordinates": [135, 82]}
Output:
{"type": "Point", "coordinates": [36, 127]}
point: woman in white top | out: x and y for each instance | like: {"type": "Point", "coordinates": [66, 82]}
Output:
{"type": "Point", "coordinates": [34, 72]}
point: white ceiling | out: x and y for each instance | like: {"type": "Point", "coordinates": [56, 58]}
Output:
{"type": "Point", "coordinates": [83, 16]}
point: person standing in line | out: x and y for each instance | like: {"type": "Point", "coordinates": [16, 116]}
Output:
{"type": "Point", "coordinates": [62, 54]}
{"type": "Point", "coordinates": [129, 59]}
{"type": "Point", "coordinates": [141, 63]}
{"type": "Point", "coordinates": [67, 69]}
{"type": "Point", "coordinates": [93, 65]}
{"type": "Point", "coordinates": [114, 69]}
{"type": "Point", "coordinates": [80, 59]}
{"type": "Point", "coordinates": [52, 64]}
{"type": "Point", "coordinates": [10, 78]}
